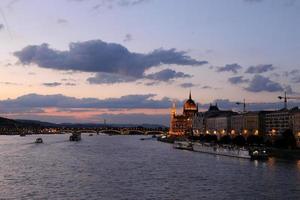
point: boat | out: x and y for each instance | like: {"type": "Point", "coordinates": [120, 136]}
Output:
{"type": "Point", "coordinates": [39, 141]}
{"type": "Point", "coordinates": [91, 134]}
{"type": "Point", "coordinates": [230, 150]}
{"type": "Point", "coordinates": [22, 134]}
{"type": "Point", "coordinates": [258, 153]}
{"type": "Point", "coordinates": [75, 137]}
{"type": "Point", "coordinates": [184, 145]}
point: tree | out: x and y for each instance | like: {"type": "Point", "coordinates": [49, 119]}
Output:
{"type": "Point", "coordinates": [287, 140]}
{"type": "Point", "coordinates": [239, 140]}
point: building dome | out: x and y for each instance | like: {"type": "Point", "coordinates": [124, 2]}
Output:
{"type": "Point", "coordinates": [190, 104]}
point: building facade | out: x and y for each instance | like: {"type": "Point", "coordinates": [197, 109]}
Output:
{"type": "Point", "coordinates": [181, 125]}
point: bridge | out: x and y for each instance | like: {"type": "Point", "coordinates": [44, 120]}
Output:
{"type": "Point", "coordinates": [118, 130]}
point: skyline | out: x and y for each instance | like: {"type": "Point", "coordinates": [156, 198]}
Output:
{"type": "Point", "coordinates": [69, 62]}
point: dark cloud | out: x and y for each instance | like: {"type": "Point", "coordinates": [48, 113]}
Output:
{"type": "Point", "coordinates": [53, 84]}
{"type": "Point", "coordinates": [263, 84]}
{"type": "Point", "coordinates": [253, 1]}
{"type": "Point", "coordinates": [206, 87]}
{"type": "Point", "coordinates": [62, 21]}
{"type": "Point", "coordinates": [187, 85]}
{"type": "Point", "coordinates": [99, 56]}
{"type": "Point", "coordinates": [131, 2]}
{"type": "Point", "coordinates": [32, 106]}
{"type": "Point", "coordinates": [128, 38]}
{"type": "Point", "coordinates": [238, 80]}
{"type": "Point", "coordinates": [167, 75]}
{"type": "Point", "coordinates": [260, 69]}
{"type": "Point", "coordinates": [70, 84]}
{"type": "Point", "coordinates": [108, 78]}
{"type": "Point", "coordinates": [294, 75]}
{"type": "Point", "coordinates": [113, 3]}
{"type": "Point", "coordinates": [61, 101]}
{"type": "Point", "coordinates": [1, 27]}
{"type": "Point", "coordinates": [9, 83]}
{"type": "Point", "coordinates": [234, 68]}
{"type": "Point", "coordinates": [226, 104]}
{"type": "Point", "coordinates": [136, 118]}
{"type": "Point", "coordinates": [152, 83]}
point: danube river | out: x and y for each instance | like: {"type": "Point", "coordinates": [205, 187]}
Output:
{"type": "Point", "coordinates": [124, 167]}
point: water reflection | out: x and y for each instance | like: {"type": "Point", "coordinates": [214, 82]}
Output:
{"type": "Point", "coordinates": [124, 167]}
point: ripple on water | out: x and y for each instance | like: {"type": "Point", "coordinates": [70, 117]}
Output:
{"type": "Point", "coordinates": [123, 167]}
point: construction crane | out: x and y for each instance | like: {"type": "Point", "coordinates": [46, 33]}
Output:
{"type": "Point", "coordinates": [286, 98]}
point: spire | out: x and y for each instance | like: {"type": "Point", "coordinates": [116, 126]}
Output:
{"type": "Point", "coordinates": [173, 110]}
{"type": "Point", "coordinates": [190, 96]}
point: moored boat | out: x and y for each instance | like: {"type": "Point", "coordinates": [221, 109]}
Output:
{"type": "Point", "coordinates": [75, 137]}
{"type": "Point", "coordinates": [258, 153]}
{"type": "Point", "coordinates": [230, 150]}
{"type": "Point", "coordinates": [39, 141]}
{"type": "Point", "coordinates": [185, 145]}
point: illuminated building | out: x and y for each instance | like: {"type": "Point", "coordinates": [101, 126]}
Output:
{"type": "Point", "coordinates": [217, 121]}
{"type": "Point", "coordinates": [181, 125]}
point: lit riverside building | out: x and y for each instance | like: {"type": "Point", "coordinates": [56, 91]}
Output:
{"type": "Point", "coordinates": [181, 125]}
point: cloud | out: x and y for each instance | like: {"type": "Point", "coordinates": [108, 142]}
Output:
{"type": "Point", "coordinates": [226, 104]}
{"type": "Point", "coordinates": [61, 101]}
{"type": "Point", "coordinates": [253, 1]}
{"type": "Point", "coordinates": [294, 75]}
{"type": "Point", "coordinates": [263, 84]}
{"type": "Point", "coordinates": [207, 87]}
{"type": "Point", "coordinates": [9, 83]}
{"type": "Point", "coordinates": [108, 78]}
{"type": "Point", "coordinates": [167, 75]}
{"type": "Point", "coordinates": [136, 118]}
{"type": "Point", "coordinates": [68, 109]}
{"type": "Point", "coordinates": [1, 27]}
{"type": "Point", "coordinates": [259, 69]}
{"type": "Point", "coordinates": [98, 56]}
{"type": "Point", "coordinates": [187, 85]}
{"type": "Point", "coordinates": [70, 84]}
{"type": "Point", "coordinates": [62, 21]}
{"type": "Point", "coordinates": [109, 4]}
{"type": "Point", "coordinates": [128, 38]}
{"type": "Point", "coordinates": [234, 68]}
{"type": "Point", "coordinates": [131, 2]}
{"type": "Point", "coordinates": [238, 80]}
{"type": "Point", "coordinates": [53, 84]}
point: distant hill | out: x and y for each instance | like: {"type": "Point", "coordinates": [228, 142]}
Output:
{"type": "Point", "coordinates": [4, 122]}
{"type": "Point", "coordinates": [36, 123]}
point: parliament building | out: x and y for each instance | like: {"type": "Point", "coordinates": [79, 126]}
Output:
{"type": "Point", "coordinates": [181, 125]}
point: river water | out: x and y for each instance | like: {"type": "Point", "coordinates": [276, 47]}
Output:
{"type": "Point", "coordinates": [124, 167]}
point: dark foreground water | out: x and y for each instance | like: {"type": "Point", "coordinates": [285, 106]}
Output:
{"type": "Point", "coordinates": [124, 167]}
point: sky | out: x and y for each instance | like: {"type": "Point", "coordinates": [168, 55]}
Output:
{"type": "Point", "coordinates": [126, 60]}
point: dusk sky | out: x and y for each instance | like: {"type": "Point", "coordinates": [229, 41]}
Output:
{"type": "Point", "coordinates": [126, 60]}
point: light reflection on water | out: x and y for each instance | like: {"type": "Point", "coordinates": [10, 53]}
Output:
{"type": "Point", "coordinates": [123, 167]}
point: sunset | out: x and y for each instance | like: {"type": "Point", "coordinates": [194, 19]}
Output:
{"type": "Point", "coordinates": [186, 72]}
{"type": "Point", "coordinates": [153, 52]}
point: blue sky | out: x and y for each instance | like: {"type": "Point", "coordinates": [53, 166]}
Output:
{"type": "Point", "coordinates": [222, 50]}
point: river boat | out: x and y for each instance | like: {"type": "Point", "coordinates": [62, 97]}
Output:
{"type": "Point", "coordinates": [184, 145]}
{"type": "Point", "coordinates": [39, 141]}
{"type": "Point", "coordinates": [75, 137]}
{"type": "Point", "coordinates": [258, 153]}
{"type": "Point", "coordinates": [230, 150]}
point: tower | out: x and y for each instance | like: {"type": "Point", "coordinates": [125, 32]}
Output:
{"type": "Point", "coordinates": [173, 114]}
